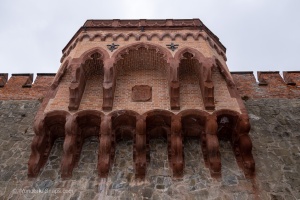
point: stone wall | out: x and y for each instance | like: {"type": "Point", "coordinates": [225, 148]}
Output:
{"type": "Point", "coordinates": [276, 149]}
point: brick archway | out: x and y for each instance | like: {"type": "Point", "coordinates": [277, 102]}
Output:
{"type": "Point", "coordinates": [79, 126]}
{"type": "Point", "coordinates": [124, 50]}
{"type": "Point", "coordinates": [131, 67]}
{"type": "Point", "coordinates": [234, 127]}
{"type": "Point", "coordinates": [88, 68]}
{"type": "Point", "coordinates": [47, 129]}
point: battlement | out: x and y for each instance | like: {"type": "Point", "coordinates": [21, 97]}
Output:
{"type": "Point", "coordinates": [22, 87]}
{"type": "Point", "coordinates": [270, 84]}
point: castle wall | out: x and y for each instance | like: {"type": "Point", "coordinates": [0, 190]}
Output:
{"type": "Point", "coordinates": [21, 86]}
{"type": "Point", "coordinates": [274, 132]}
{"type": "Point", "coordinates": [269, 85]}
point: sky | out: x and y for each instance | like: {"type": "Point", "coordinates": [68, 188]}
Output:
{"type": "Point", "coordinates": [260, 35]}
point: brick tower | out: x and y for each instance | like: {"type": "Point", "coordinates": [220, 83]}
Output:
{"type": "Point", "coordinates": [142, 79]}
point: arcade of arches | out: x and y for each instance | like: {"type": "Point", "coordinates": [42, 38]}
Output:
{"type": "Point", "coordinates": [140, 90]}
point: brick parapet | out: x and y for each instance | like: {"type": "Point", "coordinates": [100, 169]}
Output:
{"type": "Point", "coordinates": [21, 86]}
{"type": "Point", "coordinates": [270, 84]}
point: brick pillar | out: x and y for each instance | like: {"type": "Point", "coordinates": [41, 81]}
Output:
{"type": "Point", "coordinates": [174, 88]}
{"type": "Point", "coordinates": [77, 87]}
{"type": "Point", "coordinates": [208, 85]}
{"type": "Point", "coordinates": [109, 83]}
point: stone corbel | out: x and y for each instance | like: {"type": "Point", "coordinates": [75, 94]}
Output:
{"type": "Point", "coordinates": [108, 84]}
{"type": "Point", "coordinates": [38, 145]}
{"type": "Point", "coordinates": [40, 148]}
{"type": "Point", "coordinates": [105, 147]}
{"type": "Point", "coordinates": [174, 87]}
{"type": "Point", "coordinates": [177, 160]}
{"type": "Point", "coordinates": [140, 153]}
{"type": "Point", "coordinates": [208, 85]}
{"type": "Point", "coordinates": [72, 147]}
{"type": "Point", "coordinates": [76, 88]}
{"type": "Point", "coordinates": [210, 146]}
{"type": "Point", "coordinates": [242, 145]}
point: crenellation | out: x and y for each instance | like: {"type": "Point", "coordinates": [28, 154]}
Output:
{"type": "Point", "coordinates": [271, 84]}
{"type": "Point", "coordinates": [21, 86]}
{"type": "Point", "coordinates": [3, 79]}
{"type": "Point", "coordinates": [287, 86]}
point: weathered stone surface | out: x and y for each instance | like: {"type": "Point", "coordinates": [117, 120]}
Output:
{"type": "Point", "coordinates": [275, 135]}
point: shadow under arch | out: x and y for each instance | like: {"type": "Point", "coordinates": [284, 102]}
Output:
{"type": "Point", "coordinates": [90, 63]}
{"type": "Point", "coordinates": [47, 129]}
{"type": "Point", "coordinates": [193, 122]}
{"type": "Point", "coordinates": [191, 59]}
{"type": "Point", "coordinates": [122, 138]}
{"type": "Point", "coordinates": [158, 125]}
{"type": "Point", "coordinates": [226, 120]}
{"type": "Point", "coordinates": [235, 127]}
{"type": "Point", "coordinates": [123, 124]}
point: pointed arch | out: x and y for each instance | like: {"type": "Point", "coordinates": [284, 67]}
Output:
{"type": "Point", "coordinates": [196, 54]}
{"type": "Point", "coordinates": [85, 55]}
{"type": "Point", "coordinates": [124, 50]}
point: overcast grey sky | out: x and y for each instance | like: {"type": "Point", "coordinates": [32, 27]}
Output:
{"type": "Point", "coordinates": [258, 34]}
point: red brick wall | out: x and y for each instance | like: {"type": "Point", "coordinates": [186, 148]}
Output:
{"type": "Point", "coordinates": [20, 87]}
{"type": "Point", "coordinates": [269, 85]}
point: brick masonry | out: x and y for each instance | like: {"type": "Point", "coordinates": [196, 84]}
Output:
{"type": "Point", "coordinates": [248, 87]}
{"type": "Point", "coordinates": [269, 85]}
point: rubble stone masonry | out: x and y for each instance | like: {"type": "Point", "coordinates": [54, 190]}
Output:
{"type": "Point", "coordinates": [276, 141]}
